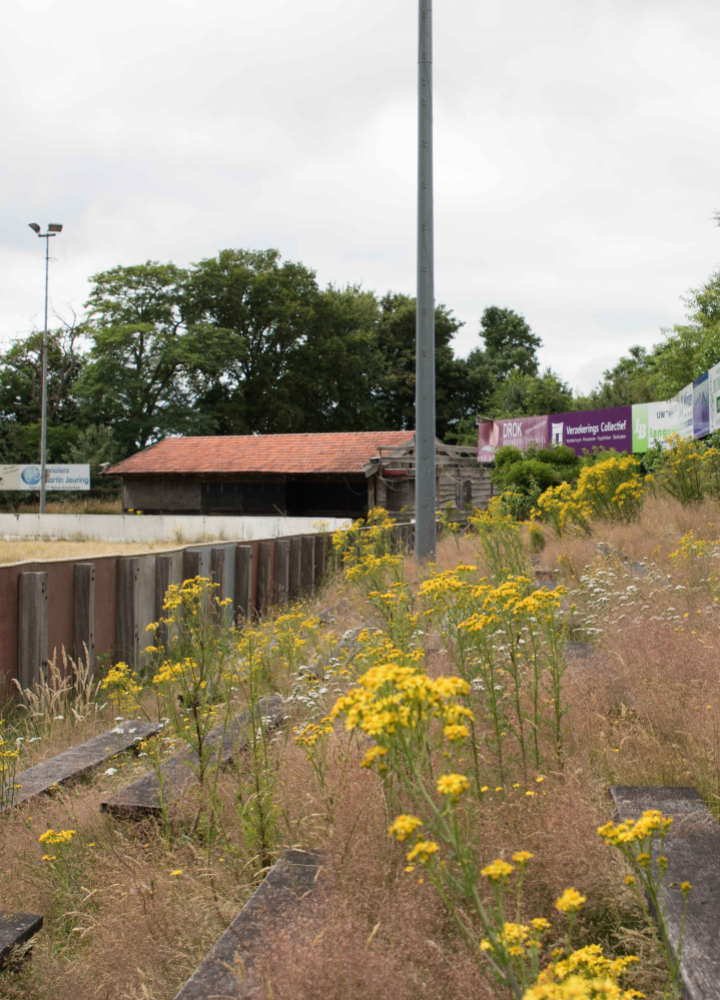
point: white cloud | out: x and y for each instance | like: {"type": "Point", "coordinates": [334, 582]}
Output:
{"type": "Point", "coordinates": [576, 152]}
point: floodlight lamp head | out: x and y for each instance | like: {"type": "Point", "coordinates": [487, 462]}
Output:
{"type": "Point", "coordinates": [34, 226]}
{"type": "Point", "coordinates": [54, 227]}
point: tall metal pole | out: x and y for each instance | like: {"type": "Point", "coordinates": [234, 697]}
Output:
{"type": "Point", "coordinates": [43, 425]}
{"type": "Point", "coordinates": [425, 336]}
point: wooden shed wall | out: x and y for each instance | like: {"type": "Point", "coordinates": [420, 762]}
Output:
{"type": "Point", "coordinates": [462, 486]}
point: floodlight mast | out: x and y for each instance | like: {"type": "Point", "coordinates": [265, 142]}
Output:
{"type": "Point", "coordinates": [53, 229]}
{"type": "Point", "coordinates": [425, 530]}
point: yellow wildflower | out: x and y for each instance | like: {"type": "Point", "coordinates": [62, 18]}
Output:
{"type": "Point", "coordinates": [570, 901]}
{"type": "Point", "coordinates": [498, 871]}
{"type": "Point", "coordinates": [452, 784]}
{"type": "Point", "coordinates": [404, 826]}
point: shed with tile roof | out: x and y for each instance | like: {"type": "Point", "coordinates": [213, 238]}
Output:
{"type": "Point", "coordinates": [293, 474]}
{"type": "Point", "coordinates": [332, 475]}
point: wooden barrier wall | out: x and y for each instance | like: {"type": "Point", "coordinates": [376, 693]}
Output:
{"type": "Point", "coordinates": [106, 603]}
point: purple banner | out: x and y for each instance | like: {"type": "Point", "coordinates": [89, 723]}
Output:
{"type": "Point", "coordinates": [701, 406]}
{"type": "Point", "coordinates": [588, 429]}
{"type": "Point", "coordinates": [520, 432]}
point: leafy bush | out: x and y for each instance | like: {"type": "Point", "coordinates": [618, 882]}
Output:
{"type": "Point", "coordinates": [611, 490]}
{"type": "Point", "coordinates": [689, 470]}
{"type": "Point", "coordinates": [560, 455]}
{"type": "Point", "coordinates": [527, 476]}
{"type": "Point", "coordinates": [507, 455]}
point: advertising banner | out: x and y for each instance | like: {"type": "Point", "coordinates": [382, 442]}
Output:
{"type": "Point", "coordinates": [701, 406]}
{"type": "Point", "coordinates": [588, 429]}
{"type": "Point", "coordinates": [714, 397]}
{"type": "Point", "coordinates": [640, 420]}
{"type": "Point", "coordinates": [653, 422]}
{"type": "Point", "coordinates": [58, 477]}
{"type": "Point", "coordinates": [684, 401]}
{"type": "Point", "coordinates": [520, 432]}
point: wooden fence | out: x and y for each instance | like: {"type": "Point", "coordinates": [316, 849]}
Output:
{"type": "Point", "coordinates": [105, 604]}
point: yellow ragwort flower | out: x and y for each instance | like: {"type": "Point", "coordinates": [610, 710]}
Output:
{"type": "Point", "coordinates": [570, 901]}
{"type": "Point", "coordinates": [452, 784]}
{"type": "Point", "coordinates": [498, 871]}
{"type": "Point", "coordinates": [422, 851]}
{"type": "Point", "coordinates": [404, 826]}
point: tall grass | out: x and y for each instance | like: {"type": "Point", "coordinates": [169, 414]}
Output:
{"type": "Point", "coordinates": [635, 712]}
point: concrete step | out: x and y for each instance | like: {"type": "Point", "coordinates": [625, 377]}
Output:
{"type": "Point", "coordinates": [272, 907]}
{"type": "Point", "coordinates": [76, 761]}
{"type": "Point", "coordinates": [142, 797]}
{"type": "Point", "coordinates": [693, 852]}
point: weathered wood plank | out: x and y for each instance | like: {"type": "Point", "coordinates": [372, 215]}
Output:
{"type": "Point", "coordinates": [282, 570]}
{"type": "Point", "coordinates": [84, 613]}
{"type": "Point", "coordinates": [249, 939]}
{"type": "Point", "coordinates": [192, 564]}
{"type": "Point", "coordinates": [126, 610]}
{"type": "Point", "coordinates": [142, 796]}
{"type": "Point", "coordinates": [243, 582]}
{"type": "Point", "coordinates": [218, 574]}
{"type": "Point", "coordinates": [307, 566]}
{"type": "Point", "coordinates": [76, 761]}
{"type": "Point", "coordinates": [319, 566]}
{"type": "Point", "coordinates": [32, 642]}
{"type": "Point", "coordinates": [163, 579]}
{"type": "Point", "coordinates": [15, 930]}
{"type": "Point", "coordinates": [264, 584]}
{"type": "Point", "coordinates": [294, 571]}
{"type": "Point", "coordinates": [693, 852]}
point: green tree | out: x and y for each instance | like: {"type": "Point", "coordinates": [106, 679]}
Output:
{"type": "Point", "coordinates": [396, 339]}
{"type": "Point", "coordinates": [510, 344]}
{"type": "Point", "coordinates": [340, 369]}
{"type": "Point", "coordinates": [628, 382]}
{"type": "Point", "coordinates": [509, 352]}
{"type": "Point", "coordinates": [135, 379]}
{"type": "Point", "coordinates": [687, 351]}
{"type": "Point", "coordinates": [21, 377]}
{"type": "Point", "coordinates": [256, 313]}
{"type": "Point", "coordinates": [94, 445]}
{"type": "Point", "coordinates": [531, 395]}
{"type": "Point", "coordinates": [690, 349]}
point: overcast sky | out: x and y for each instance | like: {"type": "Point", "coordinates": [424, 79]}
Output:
{"type": "Point", "coordinates": [577, 147]}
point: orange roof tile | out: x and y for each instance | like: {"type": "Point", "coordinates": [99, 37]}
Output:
{"type": "Point", "coordinates": [277, 453]}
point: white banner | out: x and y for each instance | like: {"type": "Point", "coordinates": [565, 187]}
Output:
{"type": "Point", "coordinates": [57, 477]}
{"type": "Point", "coordinates": [684, 400]}
{"type": "Point", "coordinates": [714, 392]}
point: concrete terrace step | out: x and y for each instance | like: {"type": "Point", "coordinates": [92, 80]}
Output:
{"type": "Point", "coordinates": [76, 761]}
{"type": "Point", "coordinates": [578, 650]}
{"type": "Point", "coordinates": [693, 852]}
{"type": "Point", "coordinates": [15, 930]}
{"type": "Point", "coordinates": [142, 796]}
{"type": "Point", "coordinates": [272, 907]}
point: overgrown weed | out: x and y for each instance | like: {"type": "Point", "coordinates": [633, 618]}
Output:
{"type": "Point", "coordinates": [637, 713]}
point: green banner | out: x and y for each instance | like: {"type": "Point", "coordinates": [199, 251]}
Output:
{"type": "Point", "coordinates": [639, 428]}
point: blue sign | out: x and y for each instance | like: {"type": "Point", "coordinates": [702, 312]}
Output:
{"type": "Point", "coordinates": [31, 475]}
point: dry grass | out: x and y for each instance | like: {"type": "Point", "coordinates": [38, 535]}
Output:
{"type": "Point", "coordinates": [644, 709]}
{"type": "Point", "coordinates": [75, 505]}
{"type": "Point", "coordinates": [30, 550]}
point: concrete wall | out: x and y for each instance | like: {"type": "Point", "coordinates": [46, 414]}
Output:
{"type": "Point", "coordinates": [177, 528]}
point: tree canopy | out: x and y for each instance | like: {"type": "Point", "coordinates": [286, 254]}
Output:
{"type": "Point", "coordinates": [247, 342]}
{"type": "Point", "coordinates": [243, 342]}
{"type": "Point", "coordinates": [687, 350]}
